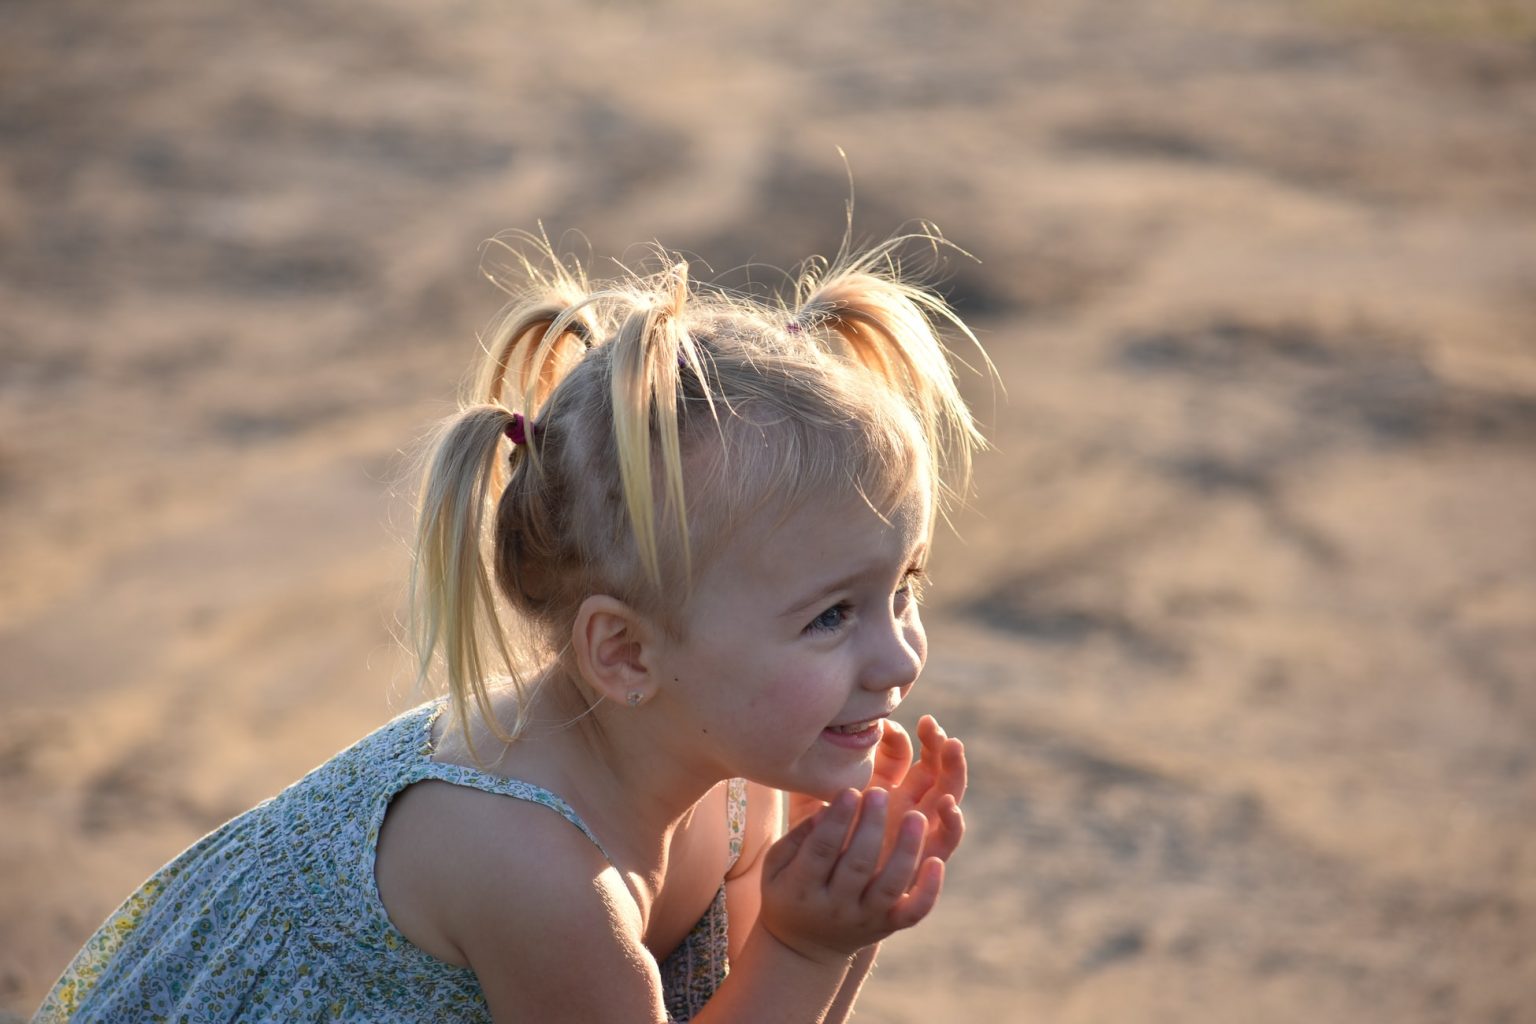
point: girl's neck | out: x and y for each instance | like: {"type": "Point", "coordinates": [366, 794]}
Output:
{"type": "Point", "coordinates": [613, 767]}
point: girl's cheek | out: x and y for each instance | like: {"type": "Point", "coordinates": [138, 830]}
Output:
{"type": "Point", "coordinates": [807, 692]}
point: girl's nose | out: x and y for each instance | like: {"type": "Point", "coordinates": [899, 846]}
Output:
{"type": "Point", "coordinates": [896, 656]}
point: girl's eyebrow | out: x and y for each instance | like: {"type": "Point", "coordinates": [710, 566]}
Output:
{"type": "Point", "coordinates": [824, 591]}
{"type": "Point", "coordinates": [877, 569]}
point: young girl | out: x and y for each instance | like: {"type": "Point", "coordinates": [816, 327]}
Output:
{"type": "Point", "coordinates": [686, 529]}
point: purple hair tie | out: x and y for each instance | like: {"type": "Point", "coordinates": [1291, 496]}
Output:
{"type": "Point", "coordinates": [793, 327]}
{"type": "Point", "coordinates": [519, 429]}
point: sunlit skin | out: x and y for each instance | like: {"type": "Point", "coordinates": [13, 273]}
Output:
{"type": "Point", "coordinates": [797, 627]}
{"type": "Point", "coordinates": [800, 626]}
{"type": "Point", "coordinates": [934, 785]}
{"type": "Point", "coordinates": [813, 624]}
{"type": "Point", "coordinates": [892, 865]}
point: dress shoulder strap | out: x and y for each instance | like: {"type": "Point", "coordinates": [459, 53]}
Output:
{"type": "Point", "coordinates": [735, 818]}
{"type": "Point", "coordinates": [459, 775]}
{"type": "Point", "coordinates": [473, 778]}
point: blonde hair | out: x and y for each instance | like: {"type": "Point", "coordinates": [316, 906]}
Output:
{"type": "Point", "coordinates": [659, 414]}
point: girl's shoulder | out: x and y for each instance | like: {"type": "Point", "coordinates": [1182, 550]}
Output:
{"type": "Point", "coordinates": [510, 890]}
{"type": "Point", "coordinates": [452, 844]}
{"type": "Point", "coordinates": [449, 852]}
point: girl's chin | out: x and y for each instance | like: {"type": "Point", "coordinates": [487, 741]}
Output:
{"type": "Point", "coordinates": [827, 786]}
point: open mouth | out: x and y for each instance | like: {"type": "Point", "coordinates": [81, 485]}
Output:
{"type": "Point", "coordinates": [859, 735]}
{"type": "Point", "coordinates": [853, 728]}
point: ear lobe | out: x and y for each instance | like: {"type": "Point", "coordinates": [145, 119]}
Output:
{"type": "Point", "coordinates": [611, 642]}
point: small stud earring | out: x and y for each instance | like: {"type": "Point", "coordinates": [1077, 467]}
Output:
{"type": "Point", "coordinates": [633, 699]}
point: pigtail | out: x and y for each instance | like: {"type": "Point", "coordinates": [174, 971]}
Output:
{"type": "Point", "coordinates": [529, 349]}
{"type": "Point", "coordinates": [533, 344]}
{"type": "Point", "coordinates": [651, 346]}
{"type": "Point", "coordinates": [891, 329]}
{"type": "Point", "coordinates": [452, 598]}
{"type": "Point", "coordinates": [535, 347]}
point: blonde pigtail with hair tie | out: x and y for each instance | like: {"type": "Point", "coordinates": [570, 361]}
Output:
{"type": "Point", "coordinates": [455, 603]}
{"type": "Point", "coordinates": [520, 430]}
{"type": "Point", "coordinates": [528, 351]}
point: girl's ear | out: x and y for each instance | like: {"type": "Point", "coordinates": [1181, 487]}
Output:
{"type": "Point", "coordinates": [612, 643]}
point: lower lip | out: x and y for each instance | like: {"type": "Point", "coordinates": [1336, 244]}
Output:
{"type": "Point", "coordinates": [853, 740]}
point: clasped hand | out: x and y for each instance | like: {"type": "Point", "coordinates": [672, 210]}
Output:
{"type": "Point", "coordinates": [851, 872]}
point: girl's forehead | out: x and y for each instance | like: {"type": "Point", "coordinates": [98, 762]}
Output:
{"type": "Point", "coordinates": [825, 534]}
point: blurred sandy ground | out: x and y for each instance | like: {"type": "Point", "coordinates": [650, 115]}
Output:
{"type": "Point", "coordinates": [1243, 625]}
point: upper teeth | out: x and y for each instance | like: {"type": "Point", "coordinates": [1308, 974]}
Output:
{"type": "Point", "coordinates": [857, 726]}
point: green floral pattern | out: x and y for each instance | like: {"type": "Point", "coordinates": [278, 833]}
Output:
{"type": "Point", "coordinates": [275, 915]}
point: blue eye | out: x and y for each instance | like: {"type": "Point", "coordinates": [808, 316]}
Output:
{"type": "Point", "coordinates": [831, 620]}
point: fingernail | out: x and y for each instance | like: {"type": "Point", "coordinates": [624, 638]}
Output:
{"type": "Point", "coordinates": [875, 797]}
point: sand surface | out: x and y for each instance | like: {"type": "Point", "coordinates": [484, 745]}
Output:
{"type": "Point", "coordinates": [1241, 629]}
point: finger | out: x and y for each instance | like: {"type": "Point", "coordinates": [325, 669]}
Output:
{"type": "Point", "coordinates": [923, 896]}
{"type": "Point", "coordinates": [784, 849]}
{"type": "Point", "coordinates": [925, 759]}
{"type": "Point", "coordinates": [930, 735]}
{"type": "Point", "coordinates": [923, 786]}
{"type": "Point", "coordinates": [819, 851]}
{"type": "Point", "coordinates": [892, 757]}
{"type": "Point", "coordinates": [917, 788]}
{"type": "Point", "coordinates": [946, 776]}
{"type": "Point", "coordinates": [857, 864]}
{"type": "Point", "coordinates": [947, 832]}
{"type": "Point", "coordinates": [896, 877]}
{"type": "Point", "coordinates": [953, 770]}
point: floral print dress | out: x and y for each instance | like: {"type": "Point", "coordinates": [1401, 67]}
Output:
{"type": "Point", "coordinates": [275, 916]}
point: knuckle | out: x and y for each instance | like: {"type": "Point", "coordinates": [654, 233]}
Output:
{"type": "Point", "coordinates": [821, 848]}
{"type": "Point", "coordinates": [859, 865]}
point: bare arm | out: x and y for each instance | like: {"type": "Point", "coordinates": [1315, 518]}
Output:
{"type": "Point", "coordinates": [514, 892]}
{"type": "Point", "coordinates": [826, 896]}
{"type": "Point", "coordinates": [575, 953]}
{"type": "Point", "coordinates": [743, 887]}
{"type": "Point", "coordinates": [842, 1007]}
{"type": "Point", "coordinates": [933, 785]}
{"type": "Point", "coordinates": [552, 933]}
